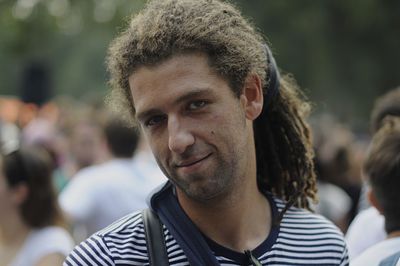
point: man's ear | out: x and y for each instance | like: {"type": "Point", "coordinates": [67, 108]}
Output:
{"type": "Point", "coordinates": [252, 98]}
{"type": "Point", "coordinates": [374, 201]}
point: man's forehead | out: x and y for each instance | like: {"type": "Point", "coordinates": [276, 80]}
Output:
{"type": "Point", "coordinates": [176, 59]}
{"type": "Point", "coordinates": [179, 71]}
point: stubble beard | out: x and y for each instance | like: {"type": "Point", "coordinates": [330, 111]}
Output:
{"type": "Point", "coordinates": [212, 185]}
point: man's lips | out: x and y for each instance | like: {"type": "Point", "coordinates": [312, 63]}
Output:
{"type": "Point", "coordinates": [191, 162]}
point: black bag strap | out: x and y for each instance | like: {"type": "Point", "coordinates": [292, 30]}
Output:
{"type": "Point", "coordinates": [154, 238]}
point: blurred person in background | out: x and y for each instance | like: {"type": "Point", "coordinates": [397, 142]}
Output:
{"type": "Point", "coordinates": [100, 194]}
{"type": "Point", "coordinates": [31, 232]}
{"type": "Point", "coordinates": [382, 171]}
{"type": "Point", "coordinates": [9, 136]}
{"type": "Point", "coordinates": [79, 137]}
{"type": "Point", "coordinates": [368, 226]}
{"type": "Point", "coordinates": [42, 125]}
{"type": "Point", "coordinates": [43, 130]}
{"type": "Point", "coordinates": [337, 170]}
{"type": "Point", "coordinates": [76, 138]}
{"type": "Point", "coordinates": [86, 146]}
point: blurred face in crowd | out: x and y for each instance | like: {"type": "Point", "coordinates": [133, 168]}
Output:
{"type": "Point", "coordinates": [196, 127]}
{"type": "Point", "coordinates": [86, 144]}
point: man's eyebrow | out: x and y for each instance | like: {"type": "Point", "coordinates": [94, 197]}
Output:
{"type": "Point", "coordinates": [198, 92]}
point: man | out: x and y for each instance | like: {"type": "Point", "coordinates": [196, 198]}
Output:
{"type": "Point", "coordinates": [382, 168]}
{"type": "Point", "coordinates": [230, 136]}
{"type": "Point", "coordinates": [100, 194]}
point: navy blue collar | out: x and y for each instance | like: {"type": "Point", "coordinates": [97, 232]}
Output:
{"type": "Point", "coordinates": [189, 238]}
{"type": "Point", "coordinates": [198, 248]}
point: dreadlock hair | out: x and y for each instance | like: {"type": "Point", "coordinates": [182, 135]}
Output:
{"type": "Point", "coordinates": [235, 49]}
{"type": "Point", "coordinates": [283, 139]}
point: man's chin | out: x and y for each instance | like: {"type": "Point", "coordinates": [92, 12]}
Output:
{"type": "Point", "coordinates": [204, 194]}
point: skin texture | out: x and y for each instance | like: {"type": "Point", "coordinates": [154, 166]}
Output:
{"type": "Point", "coordinates": [202, 138]}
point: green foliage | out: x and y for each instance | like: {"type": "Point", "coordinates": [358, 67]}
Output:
{"type": "Point", "coordinates": [343, 53]}
{"type": "Point", "coordinates": [72, 43]}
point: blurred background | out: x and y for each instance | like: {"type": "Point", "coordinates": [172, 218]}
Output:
{"type": "Point", "coordinates": [342, 53]}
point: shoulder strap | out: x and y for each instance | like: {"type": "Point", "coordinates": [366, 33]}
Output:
{"type": "Point", "coordinates": [154, 238]}
{"type": "Point", "coordinates": [180, 226]}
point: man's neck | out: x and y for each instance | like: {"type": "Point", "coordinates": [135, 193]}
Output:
{"type": "Point", "coordinates": [239, 222]}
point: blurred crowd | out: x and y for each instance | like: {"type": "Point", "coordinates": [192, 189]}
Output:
{"type": "Point", "coordinates": [70, 167]}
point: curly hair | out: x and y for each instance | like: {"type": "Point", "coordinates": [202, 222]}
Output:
{"type": "Point", "coordinates": [235, 49]}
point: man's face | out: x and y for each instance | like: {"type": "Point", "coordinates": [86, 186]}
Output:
{"type": "Point", "coordinates": [195, 126]}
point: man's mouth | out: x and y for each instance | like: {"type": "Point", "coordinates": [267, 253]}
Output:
{"type": "Point", "coordinates": [191, 162]}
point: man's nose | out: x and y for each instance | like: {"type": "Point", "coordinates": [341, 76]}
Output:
{"type": "Point", "coordinates": [180, 136]}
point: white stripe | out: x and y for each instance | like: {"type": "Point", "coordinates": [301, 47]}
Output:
{"type": "Point", "coordinates": [309, 249]}
{"type": "Point", "coordinates": [100, 259]}
{"type": "Point", "coordinates": [322, 242]}
{"type": "Point", "coordinates": [85, 255]}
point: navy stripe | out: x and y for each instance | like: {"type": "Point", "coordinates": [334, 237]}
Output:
{"type": "Point", "coordinates": [99, 247]}
{"type": "Point", "coordinates": [75, 260]}
{"type": "Point", "coordinates": [66, 262]}
{"type": "Point", "coordinates": [82, 256]}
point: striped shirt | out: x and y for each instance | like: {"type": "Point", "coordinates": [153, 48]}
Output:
{"type": "Point", "coordinates": [303, 238]}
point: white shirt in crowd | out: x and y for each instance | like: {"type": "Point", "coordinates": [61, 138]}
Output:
{"type": "Point", "coordinates": [367, 229]}
{"type": "Point", "coordinates": [98, 195]}
{"type": "Point", "coordinates": [376, 253]}
{"type": "Point", "coordinates": [43, 242]}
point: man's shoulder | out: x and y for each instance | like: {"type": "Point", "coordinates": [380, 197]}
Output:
{"type": "Point", "coordinates": [298, 223]}
{"type": "Point", "coordinates": [308, 237]}
{"type": "Point", "coordinates": [124, 240]}
{"type": "Point", "coordinates": [299, 215]}
{"type": "Point", "coordinates": [129, 226]}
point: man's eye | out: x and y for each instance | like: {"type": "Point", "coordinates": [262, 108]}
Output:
{"type": "Point", "coordinates": [154, 120]}
{"type": "Point", "coordinates": [197, 105]}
